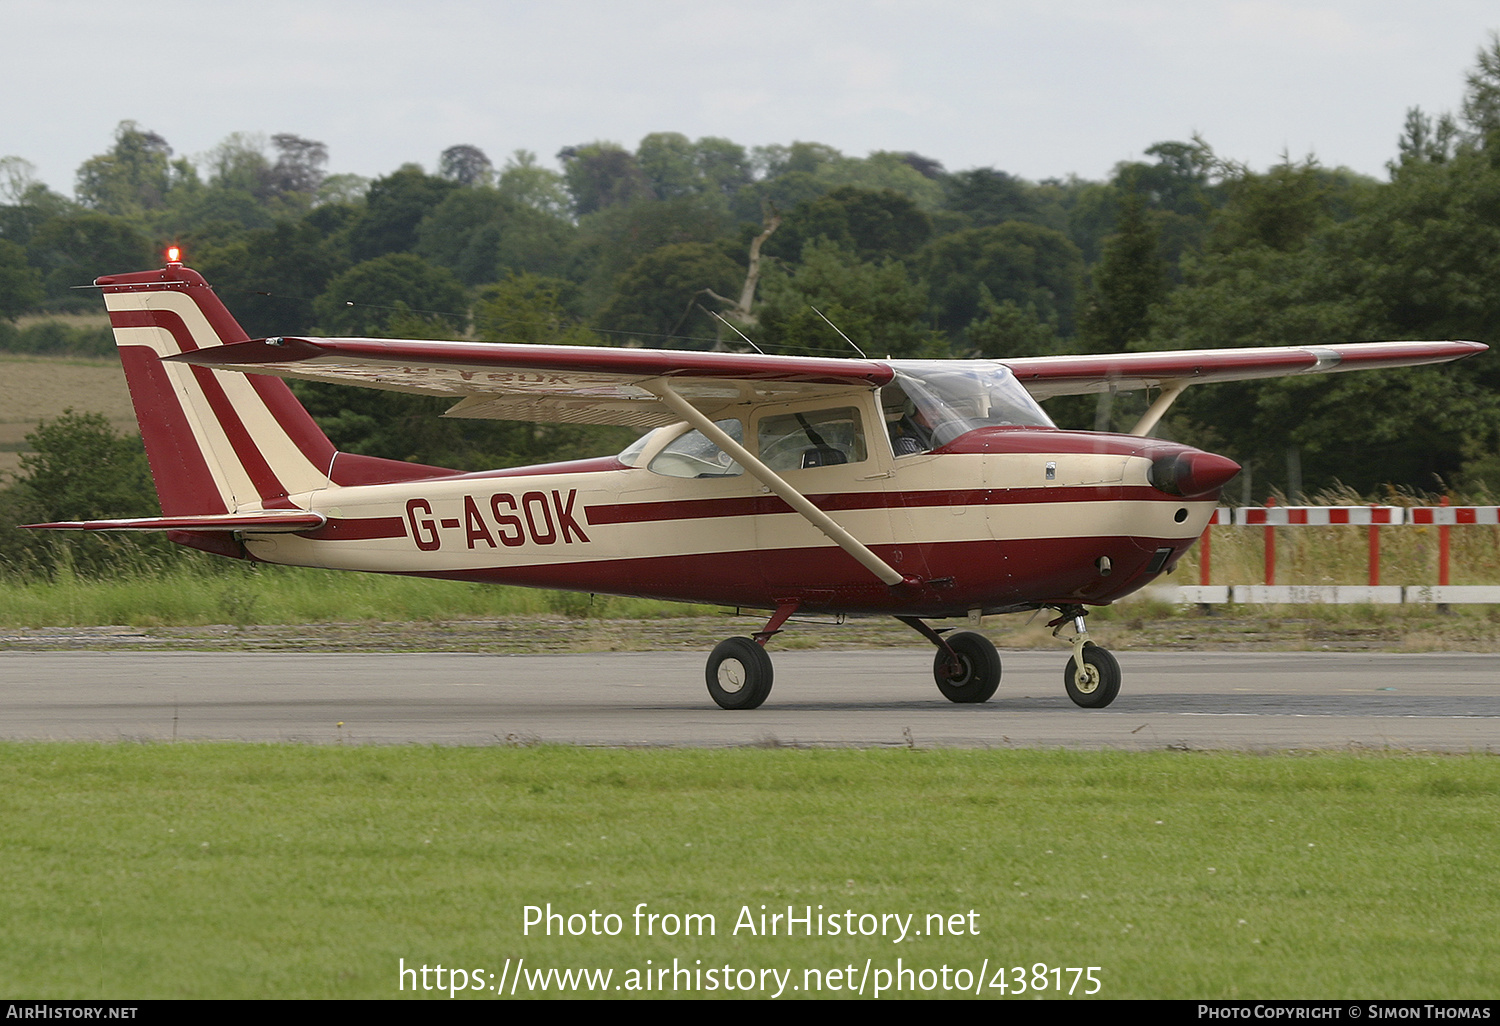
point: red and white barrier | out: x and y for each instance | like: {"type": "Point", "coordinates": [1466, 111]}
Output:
{"type": "Point", "coordinates": [1453, 515]}
{"type": "Point", "coordinates": [1270, 517]}
{"type": "Point", "coordinates": [1318, 516]}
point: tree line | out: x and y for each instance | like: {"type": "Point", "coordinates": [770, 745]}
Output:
{"type": "Point", "coordinates": [644, 246]}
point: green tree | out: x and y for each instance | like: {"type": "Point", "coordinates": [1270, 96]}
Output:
{"type": "Point", "coordinates": [1129, 281]}
{"type": "Point", "coordinates": [1286, 263]}
{"type": "Point", "coordinates": [1481, 102]}
{"type": "Point", "coordinates": [481, 234]}
{"type": "Point", "coordinates": [1008, 331]}
{"type": "Point", "coordinates": [613, 239]}
{"type": "Point", "coordinates": [526, 182]}
{"type": "Point", "coordinates": [879, 306]}
{"type": "Point", "coordinates": [533, 309]}
{"type": "Point", "coordinates": [873, 224]}
{"type": "Point", "coordinates": [134, 176]}
{"type": "Point", "coordinates": [984, 196]}
{"type": "Point", "coordinates": [600, 175]}
{"type": "Point", "coordinates": [657, 299]}
{"type": "Point", "coordinates": [75, 249]}
{"type": "Point", "coordinates": [269, 277]}
{"type": "Point", "coordinates": [394, 209]}
{"type": "Point", "coordinates": [1030, 265]}
{"type": "Point", "coordinates": [34, 204]}
{"type": "Point", "coordinates": [363, 299]}
{"type": "Point", "coordinates": [466, 165]}
{"type": "Point", "coordinates": [78, 468]}
{"type": "Point", "coordinates": [667, 161]}
{"type": "Point", "coordinates": [20, 283]}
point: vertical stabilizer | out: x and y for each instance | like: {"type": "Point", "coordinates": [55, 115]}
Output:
{"type": "Point", "coordinates": [218, 441]}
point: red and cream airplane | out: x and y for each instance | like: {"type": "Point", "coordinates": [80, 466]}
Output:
{"type": "Point", "coordinates": [916, 489]}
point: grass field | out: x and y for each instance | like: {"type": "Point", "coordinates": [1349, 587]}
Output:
{"type": "Point", "coordinates": [219, 871]}
{"type": "Point", "coordinates": [34, 388]}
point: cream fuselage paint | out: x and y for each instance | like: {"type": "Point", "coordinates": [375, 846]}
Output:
{"type": "Point", "coordinates": [910, 508]}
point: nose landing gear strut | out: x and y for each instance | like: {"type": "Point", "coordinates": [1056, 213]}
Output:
{"type": "Point", "coordinates": [1092, 676]}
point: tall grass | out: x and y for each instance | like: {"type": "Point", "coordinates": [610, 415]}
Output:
{"type": "Point", "coordinates": [198, 593]}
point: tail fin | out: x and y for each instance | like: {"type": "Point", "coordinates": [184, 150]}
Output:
{"type": "Point", "coordinates": [218, 442]}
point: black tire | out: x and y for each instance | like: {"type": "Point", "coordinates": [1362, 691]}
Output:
{"type": "Point", "coordinates": [739, 674]}
{"type": "Point", "coordinates": [977, 674]}
{"type": "Point", "coordinates": [1105, 685]}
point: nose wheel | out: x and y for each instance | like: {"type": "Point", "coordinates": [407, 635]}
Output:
{"type": "Point", "coordinates": [1095, 682]}
{"type": "Point", "coordinates": [1092, 676]}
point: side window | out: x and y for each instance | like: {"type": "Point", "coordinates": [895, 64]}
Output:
{"type": "Point", "coordinates": [815, 438]}
{"type": "Point", "coordinates": [693, 455]}
{"type": "Point", "coordinates": [907, 425]}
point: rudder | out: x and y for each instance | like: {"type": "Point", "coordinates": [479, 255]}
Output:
{"type": "Point", "coordinates": [217, 441]}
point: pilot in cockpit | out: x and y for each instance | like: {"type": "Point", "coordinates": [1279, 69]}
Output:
{"type": "Point", "coordinates": [907, 425]}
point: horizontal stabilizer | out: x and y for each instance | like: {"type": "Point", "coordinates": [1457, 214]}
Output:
{"type": "Point", "coordinates": [274, 521]}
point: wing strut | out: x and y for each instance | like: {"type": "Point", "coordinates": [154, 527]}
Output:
{"type": "Point", "coordinates": [768, 477]}
{"type": "Point", "coordinates": [1159, 409]}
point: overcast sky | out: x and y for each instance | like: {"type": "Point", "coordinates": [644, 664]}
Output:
{"type": "Point", "coordinates": [1039, 89]}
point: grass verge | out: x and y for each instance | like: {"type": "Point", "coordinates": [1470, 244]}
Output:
{"type": "Point", "coordinates": [208, 593]}
{"type": "Point", "coordinates": [239, 871]}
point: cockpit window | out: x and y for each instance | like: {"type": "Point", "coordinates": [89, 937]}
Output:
{"type": "Point", "coordinates": [693, 455]}
{"type": "Point", "coordinates": [813, 438]}
{"type": "Point", "coordinates": [631, 454]}
{"type": "Point", "coordinates": [931, 403]}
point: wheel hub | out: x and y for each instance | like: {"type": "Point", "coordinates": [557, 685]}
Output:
{"type": "Point", "coordinates": [732, 675]}
{"type": "Point", "coordinates": [1086, 678]}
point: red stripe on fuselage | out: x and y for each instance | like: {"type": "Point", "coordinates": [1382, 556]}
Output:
{"type": "Point", "coordinates": [358, 529]}
{"type": "Point", "coordinates": [761, 505]}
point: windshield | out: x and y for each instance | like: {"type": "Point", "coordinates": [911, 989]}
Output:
{"type": "Point", "coordinates": [949, 398]}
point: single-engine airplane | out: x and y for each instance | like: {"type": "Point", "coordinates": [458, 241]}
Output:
{"type": "Point", "coordinates": [917, 489]}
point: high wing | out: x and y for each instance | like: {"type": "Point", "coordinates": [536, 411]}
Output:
{"type": "Point", "coordinates": [561, 384]}
{"type": "Point", "coordinates": [1047, 376]}
{"type": "Point", "coordinates": [597, 385]}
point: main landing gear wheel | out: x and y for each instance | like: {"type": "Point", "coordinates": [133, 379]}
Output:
{"type": "Point", "coordinates": [739, 674]}
{"type": "Point", "coordinates": [971, 673]}
{"type": "Point", "coordinates": [1098, 682]}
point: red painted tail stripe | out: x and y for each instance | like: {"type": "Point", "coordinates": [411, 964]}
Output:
{"type": "Point", "coordinates": [274, 394]}
{"type": "Point", "coordinates": [184, 482]}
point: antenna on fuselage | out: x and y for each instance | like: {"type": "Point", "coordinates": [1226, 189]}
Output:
{"type": "Point", "coordinates": [835, 327]}
{"type": "Point", "coordinates": [738, 332]}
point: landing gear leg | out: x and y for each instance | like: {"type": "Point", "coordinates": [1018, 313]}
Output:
{"type": "Point", "coordinates": [1092, 676]}
{"type": "Point", "coordinates": [739, 672]}
{"type": "Point", "coordinates": [966, 668]}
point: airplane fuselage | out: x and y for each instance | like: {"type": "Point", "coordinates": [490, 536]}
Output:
{"type": "Point", "coordinates": [998, 519]}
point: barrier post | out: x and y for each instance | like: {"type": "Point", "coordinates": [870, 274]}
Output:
{"type": "Point", "coordinates": [1443, 549]}
{"type": "Point", "coordinates": [1444, 552]}
{"type": "Point", "coordinates": [1270, 545]}
{"type": "Point", "coordinates": [1203, 546]}
{"type": "Point", "coordinates": [1374, 549]}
